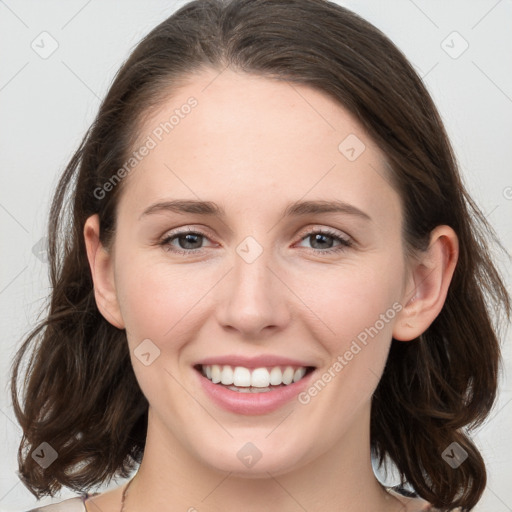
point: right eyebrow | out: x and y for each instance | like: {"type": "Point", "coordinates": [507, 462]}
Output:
{"type": "Point", "coordinates": [185, 206]}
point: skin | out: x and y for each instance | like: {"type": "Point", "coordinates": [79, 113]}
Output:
{"type": "Point", "coordinates": [253, 146]}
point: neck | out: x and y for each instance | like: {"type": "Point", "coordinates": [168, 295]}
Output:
{"type": "Point", "coordinates": [170, 479]}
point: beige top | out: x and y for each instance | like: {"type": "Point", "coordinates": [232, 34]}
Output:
{"type": "Point", "coordinates": [71, 505]}
{"type": "Point", "coordinates": [78, 504]}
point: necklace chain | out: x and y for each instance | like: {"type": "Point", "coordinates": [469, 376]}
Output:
{"type": "Point", "coordinates": [123, 497]}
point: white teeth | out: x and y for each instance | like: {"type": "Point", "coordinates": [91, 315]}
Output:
{"type": "Point", "coordinates": [261, 378]}
{"type": "Point", "coordinates": [288, 375]}
{"type": "Point", "coordinates": [226, 375]}
{"type": "Point", "coordinates": [241, 376]}
{"type": "Point", "coordinates": [276, 376]}
{"type": "Point", "coordinates": [249, 389]}
{"type": "Point", "coordinates": [299, 373]}
{"type": "Point", "coordinates": [216, 373]}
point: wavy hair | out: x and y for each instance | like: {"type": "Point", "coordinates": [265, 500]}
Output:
{"type": "Point", "coordinates": [79, 392]}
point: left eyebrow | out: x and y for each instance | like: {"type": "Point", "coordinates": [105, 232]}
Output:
{"type": "Point", "coordinates": [319, 206]}
{"type": "Point", "coordinates": [297, 208]}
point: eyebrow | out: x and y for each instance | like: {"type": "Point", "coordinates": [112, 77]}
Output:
{"type": "Point", "coordinates": [297, 208]}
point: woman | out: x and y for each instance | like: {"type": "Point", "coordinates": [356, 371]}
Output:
{"type": "Point", "coordinates": [258, 367]}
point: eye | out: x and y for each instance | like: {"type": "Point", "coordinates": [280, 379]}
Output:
{"type": "Point", "coordinates": [183, 242]}
{"type": "Point", "coordinates": [325, 239]}
{"type": "Point", "coordinates": [190, 241]}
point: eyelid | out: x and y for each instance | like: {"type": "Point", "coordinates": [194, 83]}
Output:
{"type": "Point", "coordinates": [175, 233]}
{"type": "Point", "coordinates": [327, 230]}
{"type": "Point", "coordinates": [345, 241]}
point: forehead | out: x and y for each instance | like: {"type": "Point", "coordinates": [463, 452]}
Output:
{"type": "Point", "coordinates": [233, 138]}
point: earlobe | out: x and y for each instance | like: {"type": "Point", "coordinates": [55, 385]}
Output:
{"type": "Point", "coordinates": [428, 284]}
{"type": "Point", "coordinates": [101, 265]}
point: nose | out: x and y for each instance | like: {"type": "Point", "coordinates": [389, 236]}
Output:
{"type": "Point", "coordinates": [255, 300]}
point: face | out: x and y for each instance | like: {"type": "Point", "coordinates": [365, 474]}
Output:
{"type": "Point", "coordinates": [272, 277]}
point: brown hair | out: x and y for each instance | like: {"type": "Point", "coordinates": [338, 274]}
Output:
{"type": "Point", "coordinates": [80, 393]}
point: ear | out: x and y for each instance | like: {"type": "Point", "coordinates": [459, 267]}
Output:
{"type": "Point", "coordinates": [427, 284]}
{"type": "Point", "coordinates": [102, 270]}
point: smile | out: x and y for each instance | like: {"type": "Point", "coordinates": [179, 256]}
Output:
{"type": "Point", "coordinates": [261, 387]}
{"type": "Point", "coordinates": [257, 380]}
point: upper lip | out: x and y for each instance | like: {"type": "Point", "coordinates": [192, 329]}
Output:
{"type": "Point", "coordinates": [253, 362]}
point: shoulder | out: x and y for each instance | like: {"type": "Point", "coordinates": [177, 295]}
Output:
{"type": "Point", "coordinates": [412, 502]}
{"type": "Point", "coordinates": [69, 505]}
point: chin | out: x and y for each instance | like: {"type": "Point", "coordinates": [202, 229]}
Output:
{"type": "Point", "coordinates": [255, 459]}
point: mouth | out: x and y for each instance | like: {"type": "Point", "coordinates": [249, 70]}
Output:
{"type": "Point", "coordinates": [253, 380]}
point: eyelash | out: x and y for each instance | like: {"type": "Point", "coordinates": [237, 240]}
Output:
{"type": "Point", "coordinates": [345, 243]}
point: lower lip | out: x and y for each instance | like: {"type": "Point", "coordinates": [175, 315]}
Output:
{"type": "Point", "coordinates": [252, 403]}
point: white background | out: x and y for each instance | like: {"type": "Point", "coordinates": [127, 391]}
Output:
{"type": "Point", "coordinates": [46, 105]}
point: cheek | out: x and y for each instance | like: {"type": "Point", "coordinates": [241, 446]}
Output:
{"type": "Point", "coordinates": [159, 299]}
{"type": "Point", "coordinates": [360, 306]}
{"type": "Point", "coordinates": [355, 301]}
